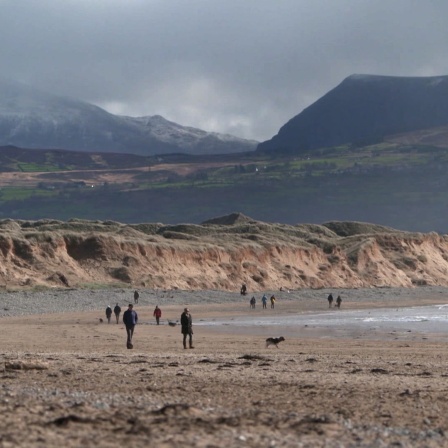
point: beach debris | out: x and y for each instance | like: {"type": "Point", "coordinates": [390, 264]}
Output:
{"type": "Point", "coordinates": [65, 420]}
{"type": "Point", "coordinates": [25, 365]}
{"type": "Point", "coordinates": [206, 360]}
{"type": "Point", "coordinates": [254, 358]}
{"type": "Point", "coordinates": [175, 409]}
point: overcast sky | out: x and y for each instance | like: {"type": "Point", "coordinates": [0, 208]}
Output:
{"type": "Point", "coordinates": [243, 67]}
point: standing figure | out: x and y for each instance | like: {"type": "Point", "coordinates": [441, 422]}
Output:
{"type": "Point", "coordinates": [243, 290]}
{"type": "Point", "coordinates": [108, 313]}
{"type": "Point", "coordinates": [136, 296]}
{"type": "Point", "coordinates": [157, 314]}
{"type": "Point", "coordinates": [186, 322]}
{"type": "Point", "coordinates": [253, 302]}
{"type": "Point", "coordinates": [130, 320]}
{"type": "Point", "coordinates": [264, 300]}
{"type": "Point", "coordinates": [338, 301]}
{"type": "Point", "coordinates": [272, 301]}
{"type": "Point", "coordinates": [117, 312]}
{"type": "Point", "coordinates": [330, 300]}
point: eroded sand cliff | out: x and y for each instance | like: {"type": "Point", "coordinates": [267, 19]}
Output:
{"type": "Point", "coordinates": [218, 254]}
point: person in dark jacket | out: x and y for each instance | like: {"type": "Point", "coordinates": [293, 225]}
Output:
{"type": "Point", "coordinates": [186, 322]}
{"type": "Point", "coordinates": [108, 314]}
{"type": "Point", "coordinates": [136, 296]}
{"type": "Point", "coordinates": [338, 302]}
{"type": "Point", "coordinates": [330, 300]}
{"type": "Point", "coordinates": [157, 314]}
{"type": "Point", "coordinates": [117, 312]}
{"type": "Point", "coordinates": [130, 320]}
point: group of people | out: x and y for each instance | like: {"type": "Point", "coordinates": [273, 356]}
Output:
{"type": "Point", "coordinates": [116, 311]}
{"type": "Point", "coordinates": [130, 320]}
{"type": "Point", "coordinates": [330, 301]}
{"type": "Point", "coordinates": [264, 301]}
{"type": "Point", "coordinates": [130, 316]}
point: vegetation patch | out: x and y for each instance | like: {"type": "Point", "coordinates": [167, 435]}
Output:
{"type": "Point", "coordinates": [168, 234]}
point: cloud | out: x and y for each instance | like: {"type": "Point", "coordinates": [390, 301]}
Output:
{"type": "Point", "coordinates": [238, 67]}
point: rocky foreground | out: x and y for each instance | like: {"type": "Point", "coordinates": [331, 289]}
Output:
{"type": "Point", "coordinates": [219, 254]}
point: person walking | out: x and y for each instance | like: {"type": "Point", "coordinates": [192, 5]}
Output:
{"type": "Point", "coordinates": [136, 297]}
{"type": "Point", "coordinates": [186, 322]}
{"type": "Point", "coordinates": [130, 319]}
{"type": "Point", "coordinates": [252, 302]}
{"type": "Point", "coordinates": [272, 301]}
{"type": "Point", "coordinates": [243, 290]}
{"type": "Point", "coordinates": [108, 313]}
{"type": "Point", "coordinates": [117, 312]}
{"type": "Point", "coordinates": [157, 314]}
{"type": "Point", "coordinates": [330, 300]}
{"type": "Point", "coordinates": [264, 301]}
{"type": "Point", "coordinates": [338, 302]}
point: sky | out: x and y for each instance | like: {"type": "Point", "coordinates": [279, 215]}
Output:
{"type": "Point", "coordinates": [243, 67]}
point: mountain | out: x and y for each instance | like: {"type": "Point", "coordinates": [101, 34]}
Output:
{"type": "Point", "coordinates": [190, 140]}
{"type": "Point", "coordinates": [364, 109]}
{"type": "Point", "coordinates": [34, 119]}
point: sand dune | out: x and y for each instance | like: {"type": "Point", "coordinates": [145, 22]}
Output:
{"type": "Point", "coordinates": [220, 254]}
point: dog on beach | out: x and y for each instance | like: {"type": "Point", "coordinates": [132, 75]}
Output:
{"type": "Point", "coordinates": [274, 341]}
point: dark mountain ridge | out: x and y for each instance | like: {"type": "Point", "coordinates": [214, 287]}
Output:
{"type": "Point", "coordinates": [364, 109]}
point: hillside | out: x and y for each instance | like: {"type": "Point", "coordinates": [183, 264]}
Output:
{"type": "Point", "coordinates": [364, 109]}
{"type": "Point", "coordinates": [390, 184]}
{"type": "Point", "coordinates": [437, 137]}
{"type": "Point", "coordinates": [31, 118]}
{"type": "Point", "coordinates": [220, 255]}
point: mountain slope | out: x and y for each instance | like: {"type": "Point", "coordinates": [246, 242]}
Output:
{"type": "Point", "coordinates": [191, 140]}
{"type": "Point", "coordinates": [437, 136]}
{"type": "Point", "coordinates": [366, 108]}
{"type": "Point", "coordinates": [34, 119]}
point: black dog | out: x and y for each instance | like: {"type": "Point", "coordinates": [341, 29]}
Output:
{"type": "Point", "coordinates": [274, 341]}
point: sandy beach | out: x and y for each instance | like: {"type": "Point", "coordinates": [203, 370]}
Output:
{"type": "Point", "coordinates": [68, 379]}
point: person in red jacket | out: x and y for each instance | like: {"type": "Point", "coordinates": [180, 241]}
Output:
{"type": "Point", "coordinates": [157, 314]}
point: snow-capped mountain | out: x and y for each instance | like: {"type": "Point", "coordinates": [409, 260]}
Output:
{"type": "Point", "coordinates": [191, 140]}
{"type": "Point", "coordinates": [34, 119]}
